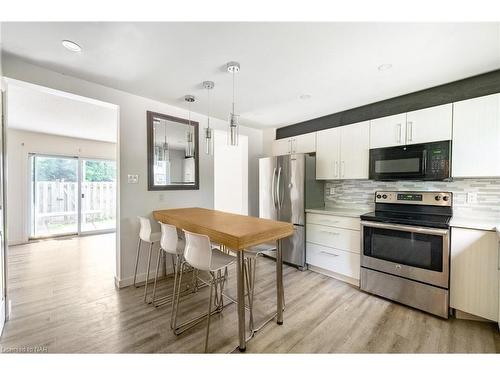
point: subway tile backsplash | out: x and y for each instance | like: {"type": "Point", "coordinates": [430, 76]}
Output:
{"type": "Point", "coordinates": [361, 193]}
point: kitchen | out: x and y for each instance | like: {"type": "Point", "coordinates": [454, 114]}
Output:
{"type": "Point", "coordinates": [308, 221]}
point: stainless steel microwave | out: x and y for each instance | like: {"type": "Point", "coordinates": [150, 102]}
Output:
{"type": "Point", "coordinates": [424, 161]}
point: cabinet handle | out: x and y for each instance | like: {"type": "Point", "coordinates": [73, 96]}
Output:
{"type": "Point", "coordinates": [327, 253]}
{"type": "Point", "coordinates": [400, 129]}
{"type": "Point", "coordinates": [410, 131]}
{"type": "Point", "coordinates": [336, 169]}
{"type": "Point", "coordinates": [343, 168]}
{"type": "Point", "coordinates": [289, 146]}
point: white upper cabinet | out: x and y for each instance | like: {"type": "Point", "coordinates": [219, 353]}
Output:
{"type": "Point", "coordinates": [476, 137]}
{"type": "Point", "coordinates": [328, 154]}
{"type": "Point", "coordinates": [354, 150]}
{"type": "Point", "coordinates": [429, 124]}
{"type": "Point", "coordinates": [388, 131]}
{"type": "Point", "coordinates": [342, 152]}
{"type": "Point", "coordinates": [301, 144]}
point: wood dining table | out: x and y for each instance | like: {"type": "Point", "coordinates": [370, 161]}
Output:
{"type": "Point", "coordinates": [237, 233]}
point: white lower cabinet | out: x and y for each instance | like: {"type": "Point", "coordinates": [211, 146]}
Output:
{"type": "Point", "coordinates": [334, 260]}
{"type": "Point", "coordinates": [333, 246]}
{"type": "Point", "coordinates": [474, 279]}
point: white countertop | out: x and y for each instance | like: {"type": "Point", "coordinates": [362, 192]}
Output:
{"type": "Point", "coordinates": [340, 211]}
{"type": "Point", "coordinates": [482, 223]}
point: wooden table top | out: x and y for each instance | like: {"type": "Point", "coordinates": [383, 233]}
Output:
{"type": "Point", "coordinates": [237, 232]}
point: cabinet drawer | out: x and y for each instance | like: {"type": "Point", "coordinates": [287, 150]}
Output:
{"type": "Point", "coordinates": [334, 221]}
{"type": "Point", "coordinates": [338, 238]}
{"type": "Point", "coordinates": [339, 261]}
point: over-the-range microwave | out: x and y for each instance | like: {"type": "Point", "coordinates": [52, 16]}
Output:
{"type": "Point", "coordinates": [424, 161]}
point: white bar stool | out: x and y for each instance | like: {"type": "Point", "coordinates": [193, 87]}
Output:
{"type": "Point", "coordinates": [200, 255]}
{"type": "Point", "coordinates": [170, 243]}
{"type": "Point", "coordinates": [146, 235]}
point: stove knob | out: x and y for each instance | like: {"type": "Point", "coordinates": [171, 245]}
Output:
{"type": "Point", "coordinates": [437, 197]}
{"type": "Point", "coordinates": [446, 198]}
{"type": "Point", "coordinates": [384, 196]}
{"type": "Point", "coordinates": [379, 196]}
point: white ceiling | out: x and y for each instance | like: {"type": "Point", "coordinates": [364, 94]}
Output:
{"type": "Point", "coordinates": [43, 110]}
{"type": "Point", "coordinates": [336, 63]}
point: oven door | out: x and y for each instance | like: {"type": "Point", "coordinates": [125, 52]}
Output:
{"type": "Point", "coordinates": [416, 253]}
{"type": "Point", "coordinates": [400, 162]}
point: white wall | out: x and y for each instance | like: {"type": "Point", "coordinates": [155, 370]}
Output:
{"type": "Point", "coordinates": [134, 198]}
{"type": "Point", "coordinates": [230, 174]}
{"type": "Point", "coordinates": [268, 137]}
{"type": "Point", "coordinates": [20, 144]}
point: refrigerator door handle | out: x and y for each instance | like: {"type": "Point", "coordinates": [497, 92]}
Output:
{"type": "Point", "coordinates": [273, 189]}
{"type": "Point", "coordinates": [278, 189]}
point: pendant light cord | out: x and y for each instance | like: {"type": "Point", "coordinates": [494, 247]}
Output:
{"type": "Point", "coordinates": [233, 92]}
{"type": "Point", "coordinates": [208, 108]}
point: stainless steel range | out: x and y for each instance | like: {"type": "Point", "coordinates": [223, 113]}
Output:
{"type": "Point", "coordinates": [406, 249]}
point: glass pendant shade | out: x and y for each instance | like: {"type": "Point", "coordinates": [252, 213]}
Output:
{"type": "Point", "coordinates": [209, 141]}
{"type": "Point", "coordinates": [233, 131]}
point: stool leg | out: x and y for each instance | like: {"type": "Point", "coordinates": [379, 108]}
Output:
{"type": "Point", "coordinates": [137, 259]}
{"type": "Point", "coordinates": [212, 284]}
{"type": "Point", "coordinates": [160, 251]}
{"type": "Point", "coordinates": [147, 273]}
{"type": "Point", "coordinates": [175, 310]}
{"type": "Point", "coordinates": [176, 270]}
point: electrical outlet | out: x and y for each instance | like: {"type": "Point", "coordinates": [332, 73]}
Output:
{"type": "Point", "coordinates": [332, 191]}
{"type": "Point", "coordinates": [471, 198]}
{"type": "Point", "coordinates": [133, 178]}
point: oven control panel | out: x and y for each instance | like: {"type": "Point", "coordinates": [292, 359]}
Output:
{"type": "Point", "coordinates": [428, 198]}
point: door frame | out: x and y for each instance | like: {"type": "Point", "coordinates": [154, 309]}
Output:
{"type": "Point", "coordinates": [30, 197]}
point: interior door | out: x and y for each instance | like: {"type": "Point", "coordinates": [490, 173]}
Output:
{"type": "Point", "coordinates": [54, 196]}
{"type": "Point", "coordinates": [98, 195]}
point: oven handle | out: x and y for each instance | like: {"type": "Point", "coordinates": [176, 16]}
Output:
{"type": "Point", "coordinates": [406, 228]}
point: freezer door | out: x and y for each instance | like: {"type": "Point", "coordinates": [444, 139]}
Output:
{"type": "Point", "coordinates": [267, 188]}
{"type": "Point", "coordinates": [291, 181]}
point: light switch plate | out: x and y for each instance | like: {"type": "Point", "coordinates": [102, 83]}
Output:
{"type": "Point", "coordinates": [133, 178]}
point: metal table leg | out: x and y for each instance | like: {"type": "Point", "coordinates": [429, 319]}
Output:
{"type": "Point", "coordinates": [241, 300]}
{"type": "Point", "coordinates": [279, 283]}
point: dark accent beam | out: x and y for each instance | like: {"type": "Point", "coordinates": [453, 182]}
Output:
{"type": "Point", "coordinates": [472, 87]}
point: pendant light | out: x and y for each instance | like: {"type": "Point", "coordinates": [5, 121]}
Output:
{"type": "Point", "coordinates": [189, 135]}
{"type": "Point", "coordinates": [233, 67]}
{"type": "Point", "coordinates": [208, 85]}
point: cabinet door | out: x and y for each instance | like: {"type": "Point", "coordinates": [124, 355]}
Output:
{"type": "Point", "coordinates": [303, 144]}
{"type": "Point", "coordinates": [429, 124]}
{"type": "Point", "coordinates": [388, 131]}
{"type": "Point", "coordinates": [474, 273]}
{"type": "Point", "coordinates": [354, 150]}
{"type": "Point", "coordinates": [282, 146]}
{"type": "Point", "coordinates": [328, 154]}
{"type": "Point", "coordinates": [476, 137]}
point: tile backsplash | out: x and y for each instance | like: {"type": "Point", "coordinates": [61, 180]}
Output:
{"type": "Point", "coordinates": [361, 193]}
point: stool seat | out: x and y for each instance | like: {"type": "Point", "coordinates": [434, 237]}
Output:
{"type": "Point", "coordinates": [220, 260]}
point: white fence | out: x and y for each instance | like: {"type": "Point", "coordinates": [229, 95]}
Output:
{"type": "Point", "coordinates": [60, 200]}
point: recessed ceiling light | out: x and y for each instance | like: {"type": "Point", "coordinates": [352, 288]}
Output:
{"type": "Point", "coordinates": [384, 67]}
{"type": "Point", "coordinates": [305, 96]}
{"type": "Point", "coordinates": [71, 46]}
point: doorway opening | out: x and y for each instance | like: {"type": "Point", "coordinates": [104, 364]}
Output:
{"type": "Point", "coordinates": [71, 196]}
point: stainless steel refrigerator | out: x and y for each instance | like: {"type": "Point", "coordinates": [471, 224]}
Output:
{"type": "Point", "coordinates": [287, 187]}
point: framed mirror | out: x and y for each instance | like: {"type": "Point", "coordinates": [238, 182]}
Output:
{"type": "Point", "coordinates": [172, 153]}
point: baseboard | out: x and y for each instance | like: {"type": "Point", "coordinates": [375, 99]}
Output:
{"type": "Point", "coordinates": [459, 314]}
{"type": "Point", "coordinates": [141, 278]}
{"type": "Point", "coordinates": [335, 275]}
{"type": "Point", "coordinates": [2, 316]}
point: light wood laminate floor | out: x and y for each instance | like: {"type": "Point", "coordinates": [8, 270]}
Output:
{"type": "Point", "coordinates": [64, 300]}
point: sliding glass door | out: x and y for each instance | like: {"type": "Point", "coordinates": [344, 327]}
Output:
{"type": "Point", "coordinates": [70, 195]}
{"type": "Point", "coordinates": [54, 199]}
{"type": "Point", "coordinates": [98, 193]}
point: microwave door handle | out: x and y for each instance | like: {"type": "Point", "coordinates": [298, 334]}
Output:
{"type": "Point", "coordinates": [424, 162]}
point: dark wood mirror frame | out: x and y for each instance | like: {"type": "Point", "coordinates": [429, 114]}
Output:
{"type": "Point", "coordinates": [150, 136]}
